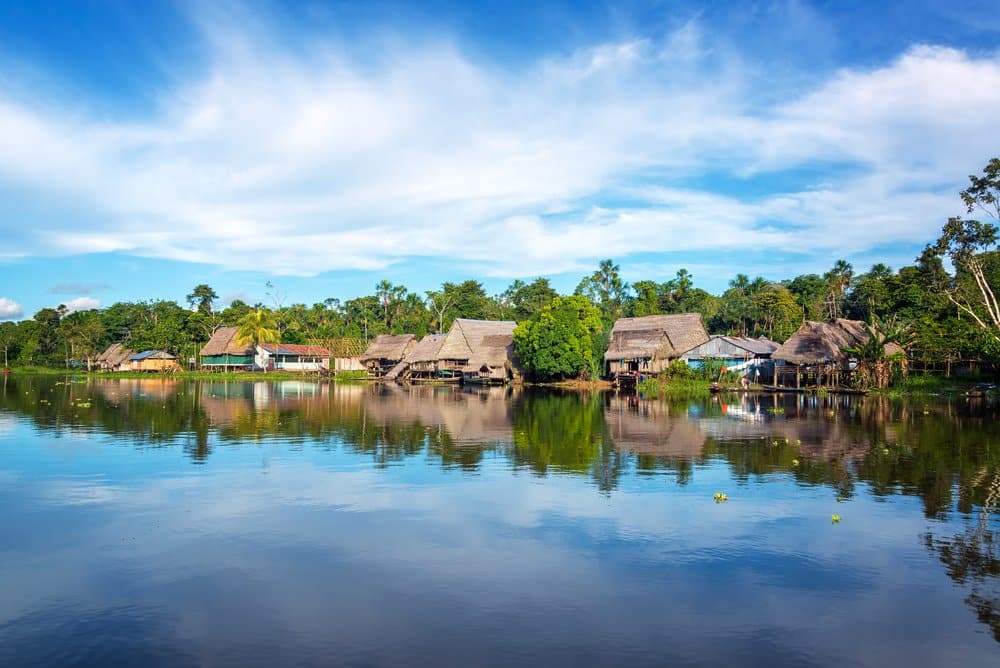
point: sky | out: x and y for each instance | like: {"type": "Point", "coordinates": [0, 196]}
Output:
{"type": "Point", "coordinates": [149, 147]}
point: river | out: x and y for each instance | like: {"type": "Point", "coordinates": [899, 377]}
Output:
{"type": "Point", "coordinates": [160, 522]}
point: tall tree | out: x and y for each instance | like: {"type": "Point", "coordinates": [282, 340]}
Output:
{"type": "Point", "coordinates": [969, 244]}
{"type": "Point", "coordinates": [838, 279]}
{"type": "Point", "coordinates": [560, 342]}
{"type": "Point", "coordinates": [8, 339]}
{"type": "Point", "coordinates": [606, 289]}
{"type": "Point", "coordinates": [201, 298]}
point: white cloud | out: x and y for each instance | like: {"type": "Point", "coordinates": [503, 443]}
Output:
{"type": "Point", "coordinates": [315, 161]}
{"type": "Point", "coordinates": [81, 304]}
{"type": "Point", "coordinates": [10, 310]}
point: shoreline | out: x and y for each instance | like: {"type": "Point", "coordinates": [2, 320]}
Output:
{"type": "Point", "coordinates": [915, 386]}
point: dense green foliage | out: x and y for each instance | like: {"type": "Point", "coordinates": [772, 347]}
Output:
{"type": "Point", "coordinates": [945, 300]}
{"type": "Point", "coordinates": [562, 341]}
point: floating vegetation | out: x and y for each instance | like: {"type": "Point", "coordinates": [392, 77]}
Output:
{"type": "Point", "coordinates": [720, 497]}
{"type": "Point", "coordinates": [834, 518]}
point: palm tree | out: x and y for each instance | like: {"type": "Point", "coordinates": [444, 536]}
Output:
{"type": "Point", "coordinates": [876, 364]}
{"type": "Point", "coordinates": [838, 279]}
{"type": "Point", "coordinates": [257, 327]}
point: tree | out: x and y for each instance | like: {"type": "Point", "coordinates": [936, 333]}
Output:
{"type": "Point", "coordinates": [876, 365]}
{"type": "Point", "coordinates": [257, 327]}
{"type": "Point", "coordinates": [83, 332]}
{"type": "Point", "coordinates": [8, 338]}
{"type": "Point", "coordinates": [522, 301]}
{"type": "Point", "coordinates": [201, 298]}
{"type": "Point", "coordinates": [560, 342]}
{"type": "Point", "coordinates": [810, 291]}
{"type": "Point", "coordinates": [838, 279]}
{"type": "Point", "coordinates": [606, 289]}
{"type": "Point", "coordinates": [969, 244]}
{"type": "Point", "coordinates": [780, 315]}
{"type": "Point", "coordinates": [462, 300]}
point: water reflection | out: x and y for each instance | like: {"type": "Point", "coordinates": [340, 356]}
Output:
{"type": "Point", "coordinates": [945, 452]}
{"type": "Point", "coordinates": [553, 471]}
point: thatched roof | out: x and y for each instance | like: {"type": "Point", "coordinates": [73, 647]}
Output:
{"type": "Point", "coordinates": [427, 349]}
{"type": "Point", "coordinates": [115, 355]}
{"type": "Point", "coordinates": [494, 351]}
{"type": "Point", "coordinates": [655, 336]}
{"type": "Point", "coordinates": [822, 342]}
{"type": "Point", "coordinates": [389, 347]}
{"type": "Point", "coordinates": [466, 336]}
{"type": "Point", "coordinates": [223, 342]}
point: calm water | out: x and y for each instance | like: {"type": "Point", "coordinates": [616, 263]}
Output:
{"type": "Point", "coordinates": [158, 522]}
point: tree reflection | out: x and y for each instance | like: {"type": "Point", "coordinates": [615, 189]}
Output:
{"type": "Point", "coordinates": [946, 453]}
{"type": "Point", "coordinates": [971, 557]}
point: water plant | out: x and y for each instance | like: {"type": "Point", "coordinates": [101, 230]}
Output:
{"type": "Point", "coordinates": [720, 497]}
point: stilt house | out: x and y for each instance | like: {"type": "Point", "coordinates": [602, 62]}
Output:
{"type": "Point", "coordinates": [153, 360]}
{"type": "Point", "coordinates": [648, 344]}
{"type": "Point", "coordinates": [493, 361]}
{"type": "Point", "coordinates": [292, 357]}
{"type": "Point", "coordinates": [421, 361]}
{"type": "Point", "coordinates": [468, 340]}
{"type": "Point", "coordinates": [386, 351]}
{"type": "Point", "coordinates": [743, 355]}
{"type": "Point", "coordinates": [114, 357]}
{"type": "Point", "coordinates": [224, 353]}
{"type": "Point", "coordinates": [814, 355]}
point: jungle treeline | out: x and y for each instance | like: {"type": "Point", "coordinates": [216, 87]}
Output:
{"type": "Point", "coordinates": [945, 299]}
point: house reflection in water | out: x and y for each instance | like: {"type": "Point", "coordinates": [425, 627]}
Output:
{"type": "Point", "coordinates": [653, 428]}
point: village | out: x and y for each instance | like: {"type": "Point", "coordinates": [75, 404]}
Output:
{"type": "Point", "coordinates": [816, 356]}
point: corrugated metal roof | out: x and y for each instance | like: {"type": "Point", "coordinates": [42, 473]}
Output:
{"type": "Point", "coordinates": [152, 354]}
{"type": "Point", "coordinates": [296, 349]}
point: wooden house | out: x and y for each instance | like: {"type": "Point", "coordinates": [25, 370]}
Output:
{"type": "Point", "coordinates": [114, 357]}
{"type": "Point", "coordinates": [224, 353]}
{"type": "Point", "coordinates": [814, 355]}
{"type": "Point", "coordinates": [385, 352]}
{"type": "Point", "coordinates": [465, 340]}
{"type": "Point", "coordinates": [153, 360]}
{"type": "Point", "coordinates": [292, 357]}
{"type": "Point", "coordinates": [740, 354]}
{"type": "Point", "coordinates": [493, 361]}
{"type": "Point", "coordinates": [648, 344]}
{"type": "Point", "coordinates": [421, 361]}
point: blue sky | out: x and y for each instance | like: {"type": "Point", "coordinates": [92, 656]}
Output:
{"type": "Point", "coordinates": [149, 147]}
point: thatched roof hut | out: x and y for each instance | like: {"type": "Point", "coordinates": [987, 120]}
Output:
{"type": "Point", "coordinates": [224, 351]}
{"type": "Point", "coordinates": [426, 350]}
{"type": "Point", "coordinates": [112, 358]}
{"type": "Point", "coordinates": [465, 339]}
{"type": "Point", "coordinates": [823, 342]}
{"type": "Point", "coordinates": [390, 347]}
{"type": "Point", "coordinates": [493, 359]}
{"type": "Point", "coordinates": [649, 343]}
{"type": "Point", "coordinates": [386, 351]}
{"type": "Point", "coordinates": [224, 342]}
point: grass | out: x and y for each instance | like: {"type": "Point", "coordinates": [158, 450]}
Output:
{"type": "Point", "coordinates": [675, 388]}
{"type": "Point", "coordinates": [925, 385]}
{"type": "Point", "coordinates": [352, 376]}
